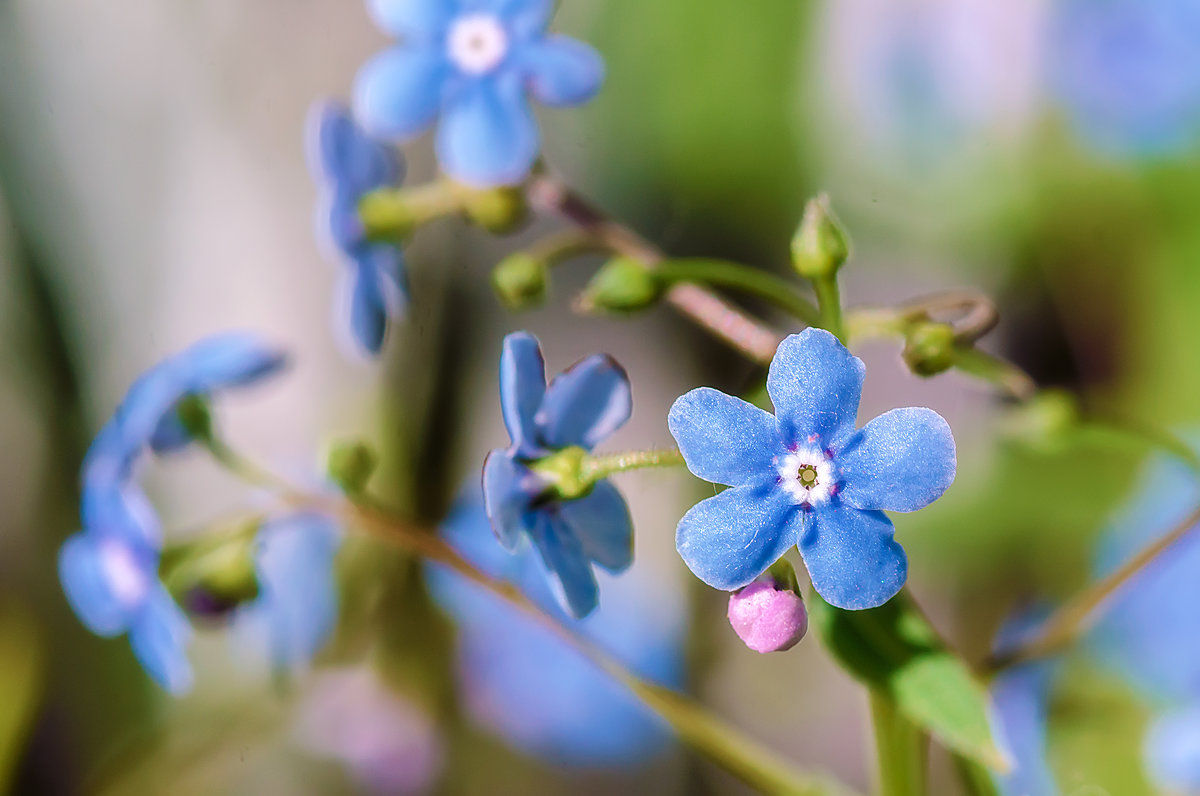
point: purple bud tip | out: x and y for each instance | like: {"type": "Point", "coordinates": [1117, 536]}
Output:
{"type": "Point", "coordinates": [766, 618]}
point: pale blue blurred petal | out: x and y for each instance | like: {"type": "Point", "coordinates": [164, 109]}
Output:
{"type": "Point", "coordinates": [585, 403]}
{"type": "Point", "coordinates": [522, 388]}
{"type": "Point", "coordinates": [562, 71]}
{"type": "Point", "coordinates": [487, 135]}
{"type": "Point", "coordinates": [159, 637]}
{"type": "Point", "coordinates": [398, 93]}
{"type": "Point", "coordinates": [601, 523]}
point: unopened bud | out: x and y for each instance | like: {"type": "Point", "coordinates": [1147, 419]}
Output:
{"type": "Point", "coordinates": [350, 465]}
{"type": "Point", "coordinates": [520, 281]}
{"type": "Point", "coordinates": [819, 246]}
{"type": "Point", "coordinates": [213, 582]}
{"type": "Point", "coordinates": [769, 615]}
{"type": "Point", "coordinates": [498, 210]}
{"type": "Point", "coordinates": [929, 348]}
{"type": "Point", "coordinates": [623, 284]}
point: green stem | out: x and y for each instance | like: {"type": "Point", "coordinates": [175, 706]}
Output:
{"type": "Point", "coordinates": [1145, 433]}
{"type": "Point", "coordinates": [708, 735]}
{"type": "Point", "coordinates": [1074, 617]}
{"type": "Point", "coordinates": [1016, 382]}
{"type": "Point", "coordinates": [597, 467]}
{"type": "Point", "coordinates": [900, 748]}
{"type": "Point", "coordinates": [830, 301]}
{"type": "Point", "coordinates": [562, 246]}
{"type": "Point", "coordinates": [736, 276]}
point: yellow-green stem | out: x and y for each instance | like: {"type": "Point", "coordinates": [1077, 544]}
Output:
{"type": "Point", "coordinates": [900, 749]}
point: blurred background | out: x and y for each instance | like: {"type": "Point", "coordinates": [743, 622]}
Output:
{"type": "Point", "coordinates": [153, 189]}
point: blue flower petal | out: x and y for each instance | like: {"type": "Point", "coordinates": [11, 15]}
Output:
{"type": "Point", "coordinates": [815, 385]}
{"type": "Point", "coordinates": [729, 540]}
{"type": "Point", "coordinates": [852, 559]}
{"type": "Point", "coordinates": [562, 71]}
{"type": "Point", "coordinates": [487, 135]}
{"type": "Point", "coordinates": [522, 388]}
{"type": "Point", "coordinates": [1021, 697]}
{"type": "Point", "coordinates": [585, 403]}
{"type": "Point", "coordinates": [508, 492]}
{"type": "Point", "coordinates": [159, 637]}
{"type": "Point", "coordinates": [601, 523]}
{"type": "Point", "coordinates": [368, 311]}
{"type": "Point", "coordinates": [525, 19]}
{"type": "Point", "coordinates": [413, 19]}
{"type": "Point", "coordinates": [230, 359]}
{"type": "Point", "coordinates": [1172, 750]}
{"type": "Point", "coordinates": [170, 434]}
{"type": "Point", "coordinates": [902, 460]}
{"type": "Point", "coordinates": [570, 571]}
{"type": "Point", "coordinates": [398, 93]}
{"type": "Point", "coordinates": [88, 588]}
{"type": "Point", "coordinates": [122, 511]}
{"type": "Point", "coordinates": [724, 439]}
{"type": "Point", "coordinates": [343, 156]}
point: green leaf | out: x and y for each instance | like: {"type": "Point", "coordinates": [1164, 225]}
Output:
{"type": "Point", "coordinates": [20, 686]}
{"type": "Point", "coordinates": [895, 650]}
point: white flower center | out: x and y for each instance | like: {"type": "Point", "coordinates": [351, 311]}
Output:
{"type": "Point", "coordinates": [477, 43]}
{"type": "Point", "coordinates": [127, 580]}
{"type": "Point", "coordinates": [807, 475]}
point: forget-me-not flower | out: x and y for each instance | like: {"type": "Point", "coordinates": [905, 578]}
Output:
{"type": "Point", "coordinates": [1021, 696]}
{"type": "Point", "coordinates": [528, 684]}
{"type": "Point", "coordinates": [807, 477]}
{"type": "Point", "coordinates": [109, 571]}
{"type": "Point", "coordinates": [473, 62]}
{"type": "Point", "coordinates": [349, 164]}
{"type": "Point", "coordinates": [1128, 73]}
{"type": "Point", "coordinates": [579, 407]}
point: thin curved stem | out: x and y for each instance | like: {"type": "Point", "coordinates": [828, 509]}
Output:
{"type": "Point", "coordinates": [736, 276]}
{"type": "Point", "coordinates": [597, 467]}
{"type": "Point", "coordinates": [745, 334]}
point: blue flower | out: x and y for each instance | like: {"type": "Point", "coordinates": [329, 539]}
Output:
{"type": "Point", "coordinates": [1021, 696]}
{"type": "Point", "coordinates": [807, 477]}
{"type": "Point", "coordinates": [528, 684]}
{"type": "Point", "coordinates": [472, 62]}
{"type": "Point", "coordinates": [1128, 72]}
{"type": "Point", "coordinates": [109, 571]}
{"type": "Point", "coordinates": [297, 604]}
{"type": "Point", "coordinates": [1144, 635]}
{"type": "Point", "coordinates": [578, 409]}
{"type": "Point", "coordinates": [350, 164]}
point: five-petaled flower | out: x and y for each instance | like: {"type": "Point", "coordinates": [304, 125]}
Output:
{"type": "Point", "coordinates": [473, 61]}
{"type": "Point", "coordinates": [109, 571]}
{"type": "Point", "coordinates": [579, 408]}
{"type": "Point", "coordinates": [349, 164]}
{"type": "Point", "coordinates": [807, 477]}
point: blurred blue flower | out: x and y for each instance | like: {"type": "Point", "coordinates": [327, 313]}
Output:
{"type": "Point", "coordinates": [297, 605]}
{"type": "Point", "coordinates": [579, 408]}
{"type": "Point", "coordinates": [109, 571]}
{"type": "Point", "coordinates": [473, 62]}
{"type": "Point", "coordinates": [807, 477]}
{"type": "Point", "coordinates": [1021, 695]}
{"type": "Point", "coordinates": [531, 686]}
{"type": "Point", "coordinates": [1146, 634]}
{"type": "Point", "coordinates": [348, 164]}
{"type": "Point", "coordinates": [1128, 72]}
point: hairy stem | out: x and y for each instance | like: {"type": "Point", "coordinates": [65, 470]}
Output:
{"type": "Point", "coordinates": [597, 467]}
{"type": "Point", "coordinates": [736, 276]}
{"type": "Point", "coordinates": [829, 299]}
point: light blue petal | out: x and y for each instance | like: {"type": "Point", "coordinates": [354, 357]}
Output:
{"type": "Point", "coordinates": [368, 312]}
{"type": "Point", "coordinates": [420, 19]}
{"type": "Point", "coordinates": [525, 19]}
{"type": "Point", "coordinates": [724, 439]}
{"type": "Point", "coordinates": [344, 157]}
{"type": "Point", "coordinates": [508, 493]}
{"type": "Point", "coordinates": [815, 385]}
{"type": "Point", "coordinates": [299, 598]}
{"type": "Point", "coordinates": [729, 540]}
{"type": "Point", "coordinates": [230, 359]}
{"type": "Point", "coordinates": [398, 93]}
{"type": "Point", "coordinates": [852, 559]}
{"type": "Point", "coordinates": [87, 588]}
{"type": "Point", "coordinates": [1172, 750]}
{"type": "Point", "coordinates": [122, 511]}
{"type": "Point", "coordinates": [152, 395]}
{"type": "Point", "coordinates": [562, 71]}
{"type": "Point", "coordinates": [1021, 697]}
{"type": "Point", "coordinates": [585, 403]}
{"type": "Point", "coordinates": [601, 523]}
{"type": "Point", "coordinates": [902, 460]}
{"type": "Point", "coordinates": [159, 637]}
{"type": "Point", "coordinates": [487, 135]}
{"type": "Point", "coordinates": [522, 388]}
{"type": "Point", "coordinates": [170, 435]}
{"type": "Point", "coordinates": [570, 571]}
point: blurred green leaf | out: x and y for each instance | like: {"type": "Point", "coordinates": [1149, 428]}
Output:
{"type": "Point", "coordinates": [895, 650]}
{"type": "Point", "coordinates": [21, 681]}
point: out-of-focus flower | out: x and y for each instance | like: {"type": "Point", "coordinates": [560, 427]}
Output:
{"type": "Point", "coordinates": [109, 571]}
{"type": "Point", "coordinates": [1128, 73]}
{"type": "Point", "coordinates": [1146, 635]}
{"type": "Point", "coordinates": [807, 477]}
{"type": "Point", "coordinates": [296, 607]}
{"type": "Point", "coordinates": [578, 409]}
{"type": "Point", "coordinates": [529, 685]}
{"type": "Point", "coordinates": [386, 742]}
{"type": "Point", "coordinates": [349, 164]}
{"type": "Point", "coordinates": [1021, 696]}
{"type": "Point", "coordinates": [473, 62]}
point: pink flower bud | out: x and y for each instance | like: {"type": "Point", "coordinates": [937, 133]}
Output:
{"type": "Point", "coordinates": [768, 618]}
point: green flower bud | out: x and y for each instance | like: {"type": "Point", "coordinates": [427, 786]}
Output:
{"type": "Point", "coordinates": [350, 465]}
{"type": "Point", "coordinates": [210, 581]}
{"type": "Point", "coordinates": [520, 281]}
{"type": "Point", "coordinates": [564, 470]}
{"type": "Point", "coordinates": [386, 215]}
{"type": "Point", "coordinates": [819, 246]}
{"type": "Point", "coordinates": [929, 348]}
{"type": "Point", "coordinates": [194, 415]}
{"type": "Point", "coordinates": [1045, 422]}
{"type": "Point", "coordinates": [498, 210]}
{"type": "Point", "coordinates": [623, 284]}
